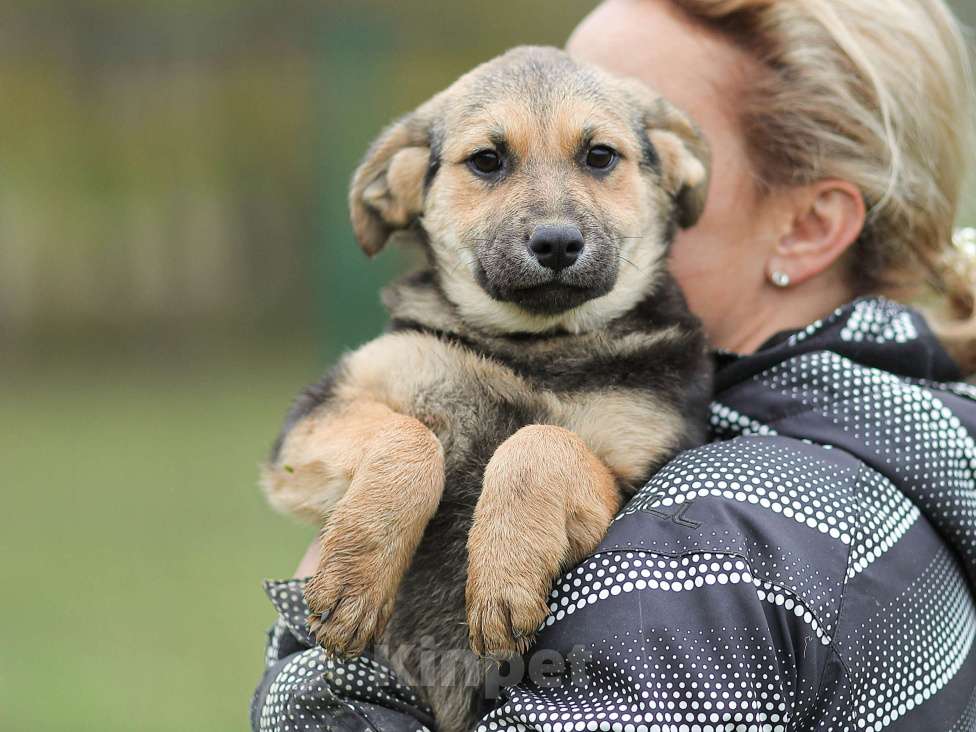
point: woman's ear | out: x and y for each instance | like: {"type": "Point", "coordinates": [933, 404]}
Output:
{"type": "Point", "coordinates": [684, 156]}
{"type": "Point", "coordinates": [824, 219]}
{"type": "Point", "coordinates": [387, 188]}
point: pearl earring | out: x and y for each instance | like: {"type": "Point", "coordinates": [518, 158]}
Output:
{"type": "Point", "coordinates": [779, 278]}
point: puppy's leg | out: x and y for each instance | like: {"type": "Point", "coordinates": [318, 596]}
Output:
{"type": "Point", "coordinates": [546, 502]}
{"type": "Point", "coordinates": [319, 455]}
{"type": "Point", "coordinates": [396, 478]}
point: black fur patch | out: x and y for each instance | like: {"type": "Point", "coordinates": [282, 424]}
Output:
{"type": "Point", "coordinates": [436, 147]}
{"type": "Point", "coordinates": [649, 157]}
{"type": "Point", "coordinates": [557, 363]}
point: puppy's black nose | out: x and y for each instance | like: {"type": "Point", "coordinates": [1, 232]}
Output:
{"type": "Point", "coordinates": [556, 247]}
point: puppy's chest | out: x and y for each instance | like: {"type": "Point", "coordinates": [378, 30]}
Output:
{"type": "Point", "coordinates": [474, 399]}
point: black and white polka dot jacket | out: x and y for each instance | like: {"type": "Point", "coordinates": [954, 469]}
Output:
{"type": "Point", "coordinates": [809, 569]}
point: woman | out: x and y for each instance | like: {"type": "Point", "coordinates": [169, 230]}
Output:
{"type": "Point", "coordinates": [812, 567]}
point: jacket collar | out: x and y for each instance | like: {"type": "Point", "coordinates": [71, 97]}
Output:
{"type": "Point", "coordinates": [872, 331]}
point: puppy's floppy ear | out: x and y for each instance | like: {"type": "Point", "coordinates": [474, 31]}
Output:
{"type": "Point", "coordinates": [387, 188]}
{"type": "Point", "coordinates": [684, 155]}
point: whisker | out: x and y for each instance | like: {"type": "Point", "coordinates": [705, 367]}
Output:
{"type": "Point", "coordinates": [620, 256]}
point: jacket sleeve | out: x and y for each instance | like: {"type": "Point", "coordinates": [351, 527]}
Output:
{"type": "Point", "coordinates": [304, 690]}
{"type": "Point", "coordinates": [710, 605]}
{"type": "Point", "coordinates": [670, 643]}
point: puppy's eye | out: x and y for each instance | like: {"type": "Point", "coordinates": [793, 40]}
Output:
{"type": "Point", "coordinates": [600, 157]}
{"type": "Point", "coordinates": [485, 162]}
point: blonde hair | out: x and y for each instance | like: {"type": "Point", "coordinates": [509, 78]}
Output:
{"type": "Point", "coordinates": [878, 93]}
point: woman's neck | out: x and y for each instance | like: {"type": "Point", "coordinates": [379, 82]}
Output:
{"type": "Point", "coordinates": [779, 309]}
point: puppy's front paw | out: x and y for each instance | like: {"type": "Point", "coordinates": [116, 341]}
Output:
{"type": "Point", "coordinates": [349, 599]}
{"type": "Point", "coordinates": [502, 620]}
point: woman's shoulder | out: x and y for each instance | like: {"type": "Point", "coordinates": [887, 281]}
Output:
{"type": "Point", "coordinates": [800, 516]}
{"type": "Point", "coordinates": [776, 501]}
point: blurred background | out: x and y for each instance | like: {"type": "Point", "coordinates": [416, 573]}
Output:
{"type": "Point", "coordinates": [175, 263]}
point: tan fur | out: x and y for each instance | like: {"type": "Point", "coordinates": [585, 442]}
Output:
{"type": "Point", "coordinates": [426, 369]}
{"type": "Point", "coordinates": [627, 433]}
{"type": "Point", "coordinates": [625, 430]}
{"type": "Point", "coordinates": [682, 168]}
{"type": "Point", "coordinates": [378, 206]}
{"type": "Point", "coordinates": [377, 477]}
{"type": "Point", "coordinates": [566, 498]}
{"type": "Point", "coordinates": [371, 536]}
{"type": "Point", "coordinates": [320, 455]}
{"type": "Point", "coordinates": [687, 170]}
{"type": "Point", "coordinates": [398, 195]}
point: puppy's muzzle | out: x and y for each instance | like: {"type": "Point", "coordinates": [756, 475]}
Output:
{"type": "Point", "coordinates": [549, 268]}
{"type": "Point", "coordinates": [556, 247]}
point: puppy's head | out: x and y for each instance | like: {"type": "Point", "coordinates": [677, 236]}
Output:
{"type": "Point", "coordinates": [549, 190]}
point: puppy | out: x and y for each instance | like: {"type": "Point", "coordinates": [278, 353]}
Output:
{"type": "Point", "coordinates": [539, 369]}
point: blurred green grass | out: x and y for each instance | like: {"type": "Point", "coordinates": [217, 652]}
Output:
{"type": "Point", "coordinates": [134, 537]}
